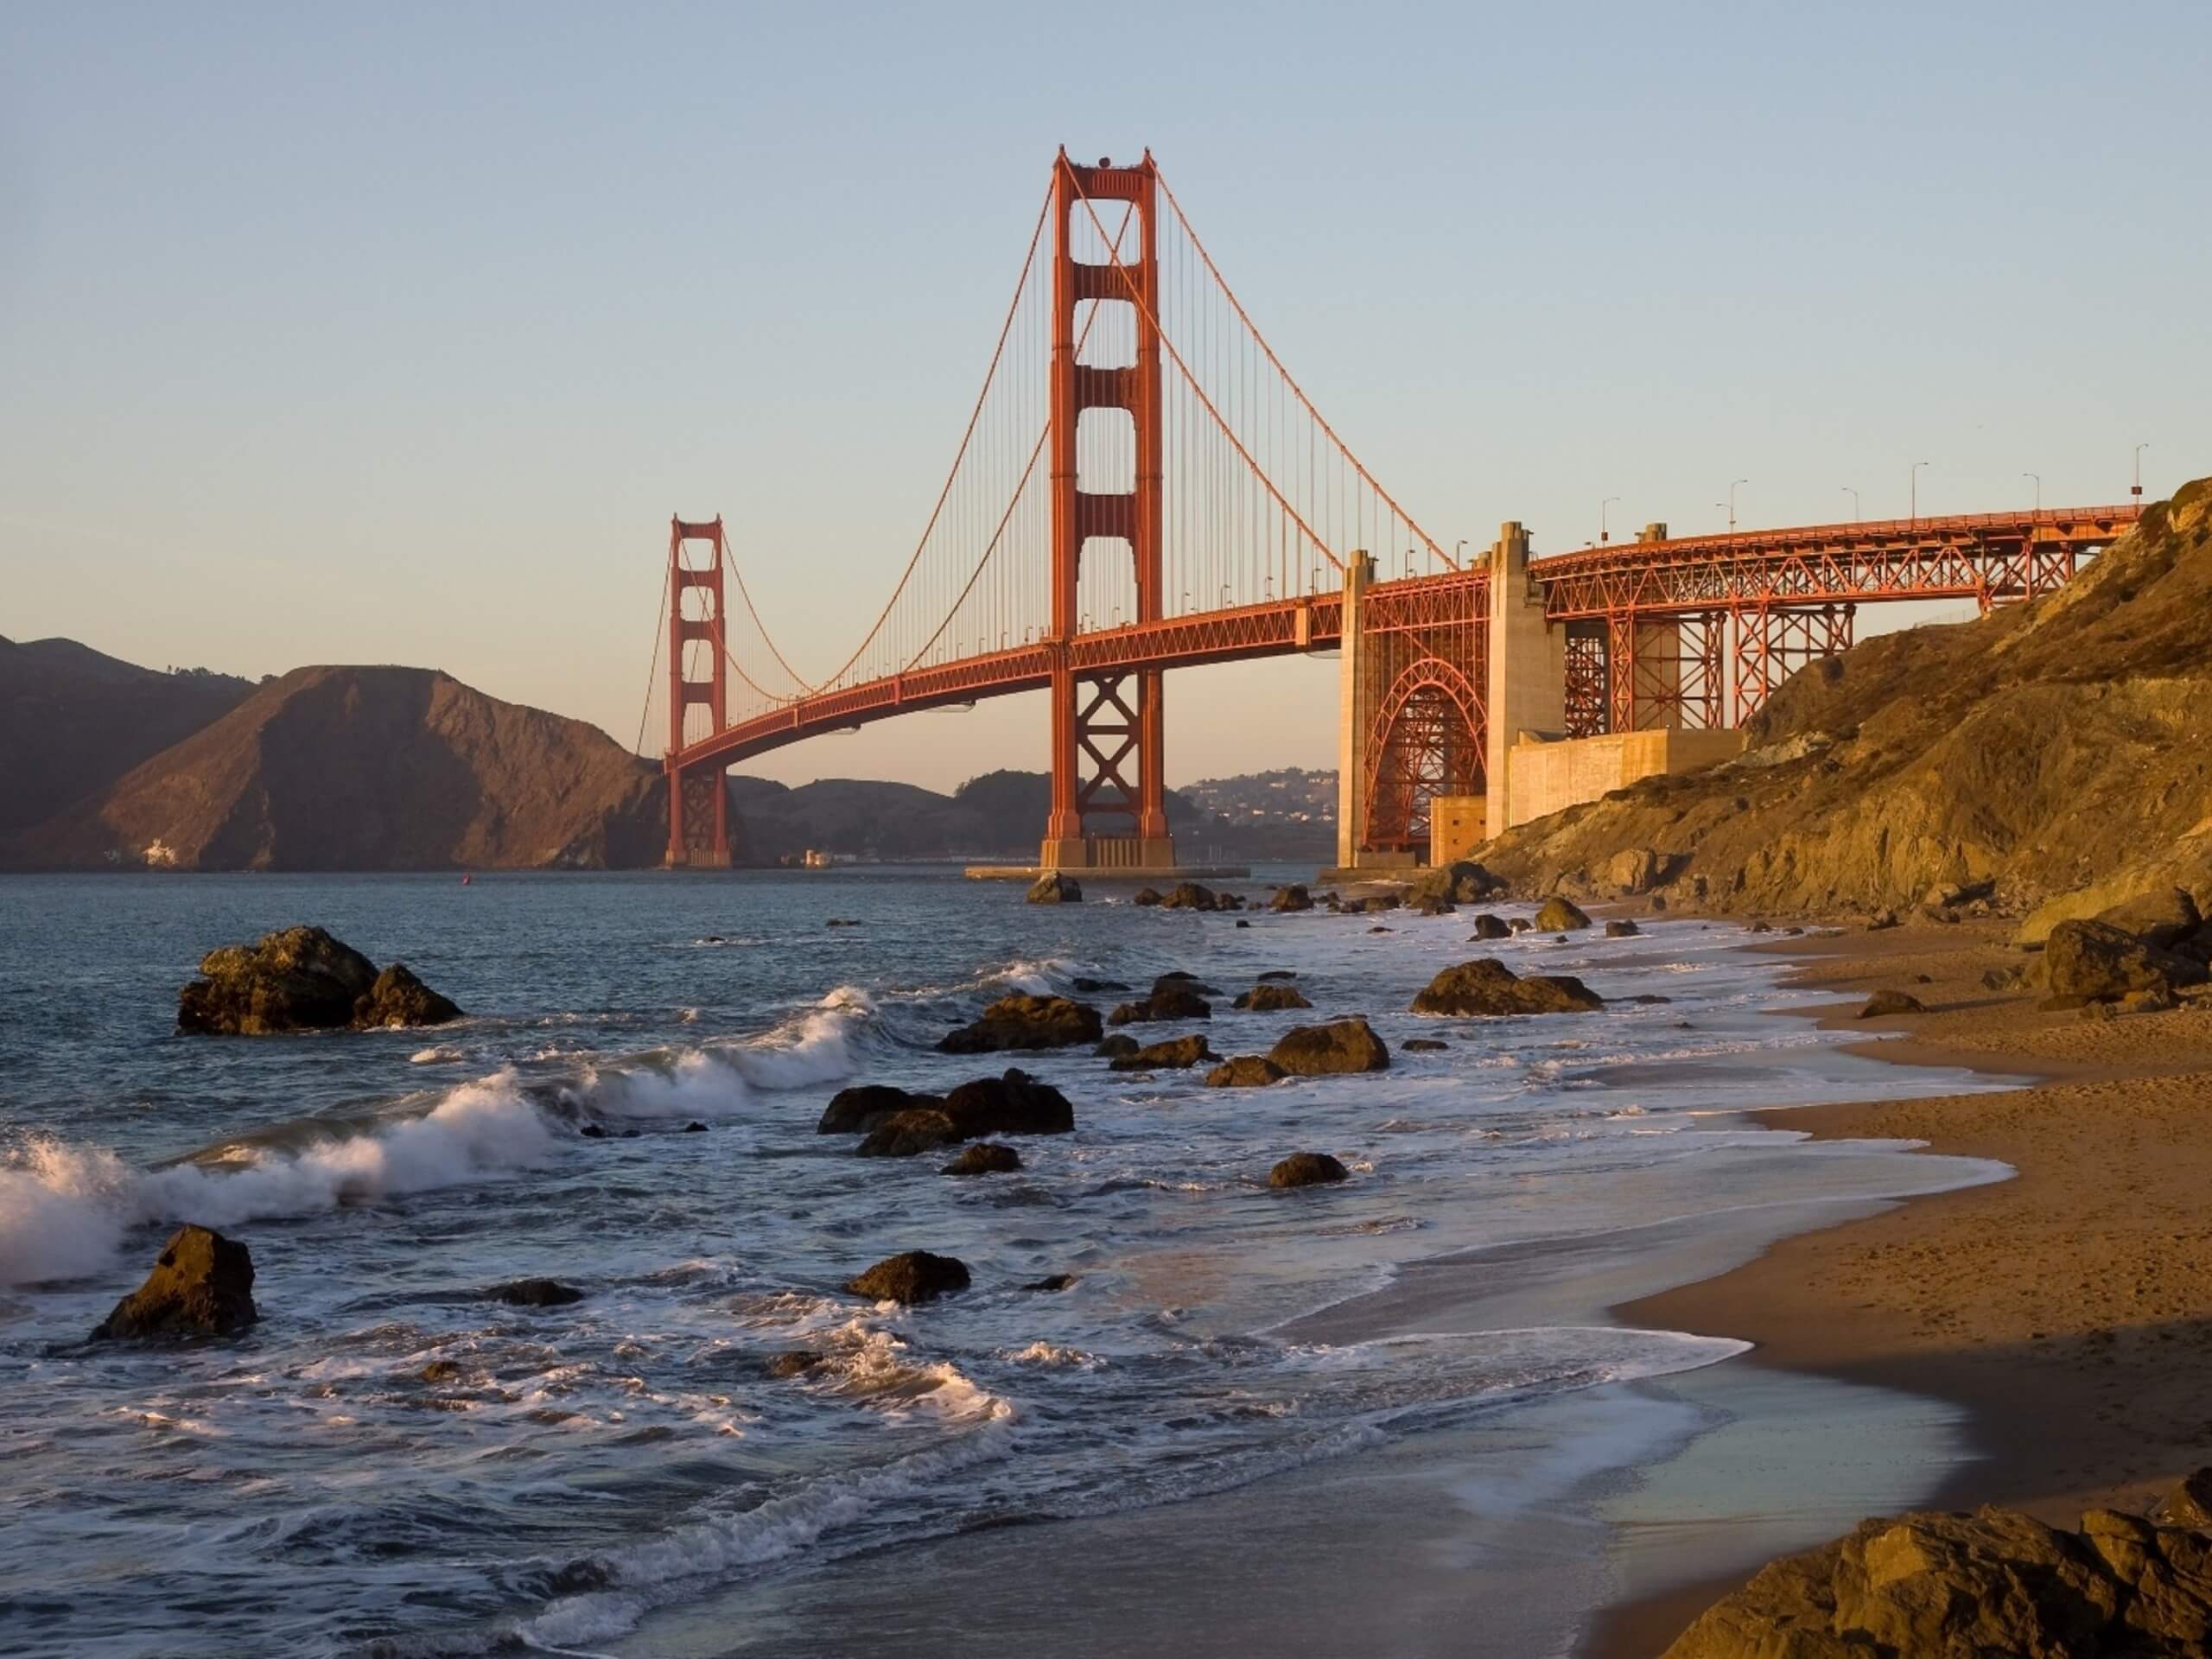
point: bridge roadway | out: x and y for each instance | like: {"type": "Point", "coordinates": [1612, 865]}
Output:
{"type": "Point", "coordinates": [1986, 556]}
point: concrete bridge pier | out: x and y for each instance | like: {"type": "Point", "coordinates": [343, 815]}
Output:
{"type": "Point", "coordinates": [1527, 668]}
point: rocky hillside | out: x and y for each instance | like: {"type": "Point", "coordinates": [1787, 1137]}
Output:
{"type": "Point", "coordinates": [369, 769]}
{"type": "Point", "coordinates": [2057, 756]}
{"type": "Point", "coordinates": [74, 720]}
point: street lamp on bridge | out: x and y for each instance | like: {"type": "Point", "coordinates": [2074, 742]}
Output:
{"type": "Point", "coordinates": [1731, 503]}
{"type": "Point", "coordinates": [2038, 478]}
{"type": "Point", "coordinates": [1858, 512]}
{"type": "Point", "coordinates": [1603, 535]}
{"type": "Point", "coordinates": [1912, 488]}
{"type": "Point", "coordinates": [2136, 488]}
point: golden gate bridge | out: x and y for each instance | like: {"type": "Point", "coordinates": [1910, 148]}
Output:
{"type": "Point", "coordinates": [1141, 485]}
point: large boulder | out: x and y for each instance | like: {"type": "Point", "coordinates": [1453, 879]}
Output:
{"type": "Point", "coordinates": [1560, 915]}
{"type": "Point", "coordinates": [863, 1106]}
{"type": "Point", "coordinates": [1173, 1002]}
{"type": "Point", "coordinates": [201, 1286]}
{"type": "Point", "coordinates": [905, 1134]}
{"type": "Point", "coordinates": [1145, 896]}
{"type": "Point", "coordinates": [1053, 888]}
{"type": "Point", "coordinates": [1631, 870]}
{"type": "Point", "coordinates": [1245, 1072]}
{"type": "Point", "coordinates": [1294, 897]}
{"type": "Point", "coordinates": [1270, 999]}
{"type": "Point", "coordinates": [302, 978]}
{"type": "Point", "coordinates": [1306, 1169]}
{"type": "Point", "coordinates": [397, 998]}
{"type": "Point", "coordinates": [1011, 1103]}
{"type": "Point", "coordinates": [2099, 962]}
{"type": "Point", "coordinates": [1020, 1021]}
{"type": "Point", "coordinates": [1175, 1055]}
{"type": "Point", "coordinates": [914, 1276]}
{"type": "Point", "coordinates": [1489, 927]}
{"type": "Point", "coordinates": [1189, 895]}
{"type": "Point", "coordinates": [1340, 1045]}
{"type": "Point", "coordinates": [1930, 1586]}
{"type": "Point", "coordinates": [1489, 986]}
{"type": "Point", "coordinates": [2162, 919]}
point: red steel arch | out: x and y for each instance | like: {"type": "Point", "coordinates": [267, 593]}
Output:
{"type": "Point", "coordinates": [1428, 738]}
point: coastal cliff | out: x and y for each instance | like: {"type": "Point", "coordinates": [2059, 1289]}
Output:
{"type": "Point", "coordinates": [2048, 748]}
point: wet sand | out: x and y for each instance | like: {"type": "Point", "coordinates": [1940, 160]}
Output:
{"type": "Point", "coordinates": [2064, 1312]}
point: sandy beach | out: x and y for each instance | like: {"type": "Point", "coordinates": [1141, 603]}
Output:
{"type": "Point", "coordinates": [2064, 1310]}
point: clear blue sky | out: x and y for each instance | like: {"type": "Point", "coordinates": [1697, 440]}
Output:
{"type": "Point", "coordinates": [395, 333]}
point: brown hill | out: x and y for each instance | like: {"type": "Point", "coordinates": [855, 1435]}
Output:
{"type": "Point", "coordinates": [73, 721]}
{"type": "Point", "coordinates": [370, 769]}
{"type": "Point", "coordinates": [2059, 751]}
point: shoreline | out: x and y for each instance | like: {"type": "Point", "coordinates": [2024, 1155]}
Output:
{"type": "Point", "coordinates": [2087, 1320]}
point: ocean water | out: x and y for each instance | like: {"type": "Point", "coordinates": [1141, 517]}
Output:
{"type": "Point", "coordinates": [591, 1473]}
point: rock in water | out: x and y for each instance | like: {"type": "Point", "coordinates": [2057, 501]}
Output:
{"type": "Point", "coordinates": [861, 1108]}
{"type": "Point", "coordinates": [1424, 1044]}
{"type": "Point", "coordinates": [1145, 896]}
{"type": "Point", "coordinates": [1623, 929]}
{"type": "Point", "coordinates": [1024, 1021]}
{"type": "Point", "coordinates": [984, 1158]}
{"type": "Point", "coordinates": [792, 1362]}
{"type": "Point", "coordinates": [537, 1293]}
{"type": "Point", "coordinates": [1053, 888]}
{"type": "Point", "coordinates": [1173, 1055]}
{"type": "Point", "coordinates": [1883, 1004]}
{"type": "Point", "coordinates": [1461, 882]}
{"type": "Point", "coordinates": [1294, 897]}
{"type": "Point", "coordinates": [1488, 926]}
{"type": "Point", "coordinates": [1013, 1104]}
{"type": "Point", "coordinates": [1340, 1045]}
{"type": "Point", "coordinates": [1433, 903]}
{"type": "Point", "coordinates": [2101, 962]}
{"type": "Point", "coordinates": [1189, 895]}
{"type": "Point", "coordinates": [201, 1286]}
{"type": "Point", "coordinates": [300, 979]}
{"type": "Point", "coordinates": [902, 1134]}
{"type": "Point", "coordinates": [1559, 915]}
{"type": "Point", "coordinates": [397, 998]}
{"type": "Point", "coordinates": [914, 1276]}
{"type": "Point", "coordinates": [1116, 1044]}
{"type": "Point", "coordinates": [1245, 1072]}
{"type": "Point", "coordinates": [1173, 1002]}
{"type": "Point", "coordinates": [1972, 1587]}
{"type": "Point", "coordinates": [1270, 999]}
{"type": "Point", "coordinates": [1306, 1169]}
{"type": "Point", "coordinates": [1489, 986]}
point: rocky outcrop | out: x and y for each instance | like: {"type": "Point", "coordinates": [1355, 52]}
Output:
{"type": "Point", "coordinates": [1013, 1104]}
{"type": "Point", "coordinates": [2098, 962]}
{"type": "Point", "coordinates": [1146, 897]}
{"type": "Point", "coordinates": [1306, 1169]}
{"type": "Point", "coordinates": [1883, 1004]}
{"type": "Point", "coordinates": [1930, 1586]}
{"type": "Point", "coordinates": [1488, 926]}
{"type": "Point", "coordinates": [2053, 748]}
{"type": "Point", "coordinates": [1272, 998]}
{"type": "Point", "coordinates": [863, 1106]}
{"type": "Point", "coordinates": [912, 1277]}
{"type": "Point", "coordinates": [1245, 1072]}
{"type": "Point", "coordinates": [201, 1286]}
{"type": "Point", "coordinates": [1339, 1047]}
{"type": "Point", "coordinates": [1489, 986]}
{"type": "Point", "coordinates": [303, 979]}
{"type": "Point", "coordinates": [1023, 1021]}
{"type": "Point", "coordinates": [1189, 895]}
{"type": "Point", "coordinates": [1053, 888]}
{"type": "Point", "coordinates": [1292, 898]}
{"type": "Point", "coordinates": [1175, 1055]}
{"type": "Point", "coordinates": [984, 1158]}
{"type": "Point", "coordinates": [1560, 915]}
{"type": "Point", "coordinates": [1461, 882]}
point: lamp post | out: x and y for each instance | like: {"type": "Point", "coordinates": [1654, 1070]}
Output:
{"type": "Point", "coordinates": [2038, 478]}
{"type": "Point", "coordinates": [1858, 512]}
{"type": "Point", "coordinates": [1731, 503]}
{"type": "Point", "coordinates": [1605, 535]}
{"type": "Point", "coordinates": [2136, 488]}
{"type": "Point", "coordinates": [1912, 487]}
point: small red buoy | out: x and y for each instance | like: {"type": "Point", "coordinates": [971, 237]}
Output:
{"type": "Point", "coordinates": [466, 880]}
